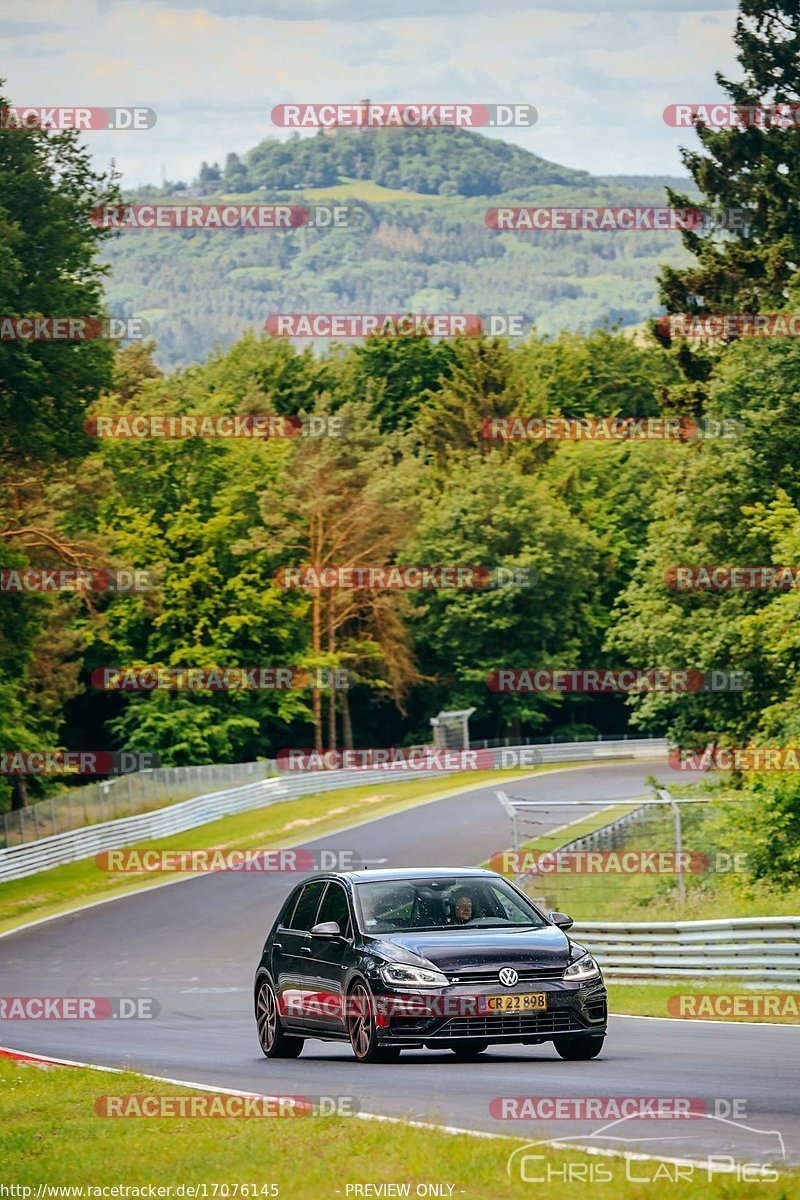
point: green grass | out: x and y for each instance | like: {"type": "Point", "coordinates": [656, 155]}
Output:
{"type": "Point", "coordinates": [51, 892]}
{"type": "Point", "coordinates": [348, 189]}
{"type": "Point", "coordinates": [651, 999]}
{"type": "Point", "coordinates": [654, 897]}
{"type": "Point", "coordinates": [51, 1134]}
{"type": "Point", "coordinates": [557, 838]}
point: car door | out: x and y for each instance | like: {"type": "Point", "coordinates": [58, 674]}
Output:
{"type": "Point", "coordinates": [292, 954]}
{"type": "Point", "coordinates": [330, 958]}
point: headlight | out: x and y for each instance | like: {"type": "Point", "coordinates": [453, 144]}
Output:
{"type": "Point", "coordinates": [399, 975]}
{"type": "Point", "coordinates": [583, 968]}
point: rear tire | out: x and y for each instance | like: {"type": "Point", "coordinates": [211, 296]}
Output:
{"type": "Point", "coordinates": [273, 1041]}
{"type": "Point", "coordinates": [469, 1049]}
{"type": "Point", "coordinates": [581, 1047]}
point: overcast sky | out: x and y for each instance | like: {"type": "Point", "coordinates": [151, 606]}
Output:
{"type": "Point", "coordinates": [600, 72]}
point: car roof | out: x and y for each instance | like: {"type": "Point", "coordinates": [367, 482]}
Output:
{"type": "Point", "coordinates": [412, 873]}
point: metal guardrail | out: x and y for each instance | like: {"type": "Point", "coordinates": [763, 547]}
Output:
{"type": "Point", "coordinates": [762, 950]}
{"type": "Point", "coordinates": [559, 739]}
{"type": "Point", "coordinates": [31, 857]}
{"type": "Point", "coordinates": [758, 950]}
{"type": "Point", "coordinates": [18, 861]}
{"type": "Point", "coordinates": [140, 791]}
{"type": "Point", "coordinates": [124, 796]}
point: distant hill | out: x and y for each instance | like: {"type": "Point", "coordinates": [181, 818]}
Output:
{"type": "Point", "coordinates": [421, 244]}
{"type": "Point", "coordinates": [448, 162]}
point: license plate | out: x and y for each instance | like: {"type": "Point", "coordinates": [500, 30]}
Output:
{"type": "Point", "coordinates": [513, 1002]}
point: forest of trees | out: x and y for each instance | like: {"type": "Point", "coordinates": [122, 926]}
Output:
{"type": "Point", "coordinates": [412, 480]}
{"type": "Point", "coordinates": [202, 291]}
{"type": "Point", "coordinates": [414, 247]}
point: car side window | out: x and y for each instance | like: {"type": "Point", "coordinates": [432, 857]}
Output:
{"type": "Point", "coordinates": [288, 909]}
{"type": "Point", "coordinates": [304, 915]}
{"type": "Point", "coordinates": [334, 907]}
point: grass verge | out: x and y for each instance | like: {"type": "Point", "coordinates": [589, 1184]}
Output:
{"type": "Point", "coordinates": [714, 888]}
{"type": "Point", "coordinates": [52, 1134]}
{"type": "Point", "coordinates": [623, 897]}
{"type": "Point", "coordinates": [294, 821]}
{"type": "Point", "coordinates": [752, 1003]}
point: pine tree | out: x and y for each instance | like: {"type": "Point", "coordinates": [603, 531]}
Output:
{"type": "Point", "coordinates": [751, 167]}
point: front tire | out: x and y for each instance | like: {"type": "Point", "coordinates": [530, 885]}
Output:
{"type": "Point", "coordinates": [361, 1028]}
{"type": "Point", "coordinates": [581, 1047]}
{"type": "Point", "coordinates": [272, 1039]}
{"type": "Point", "coordinates": [469, 1049]}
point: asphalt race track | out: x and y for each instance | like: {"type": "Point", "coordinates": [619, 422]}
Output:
{"type": "Point", "coordinates": [194, 946]}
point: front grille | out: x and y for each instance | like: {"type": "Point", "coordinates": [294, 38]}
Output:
{"type": "Point", "coordinates": [526, 975]}
{"type": "Point", "coordinates": [500, 1024]}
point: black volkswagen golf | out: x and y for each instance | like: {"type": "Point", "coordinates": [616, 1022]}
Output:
{"type": "Point", "coordinates": [446, 958]}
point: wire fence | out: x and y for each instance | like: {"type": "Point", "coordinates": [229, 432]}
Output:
{"type": "Point", "coordinates": [143, 791]}
{"type": "Point", "coordinates": [635, 864]}
{"type": "Point", "coordinates": [125, 796]}
{"type": "Point", "coordinates": [553, 739]}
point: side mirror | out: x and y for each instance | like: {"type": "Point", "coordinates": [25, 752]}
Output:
{"type": "Point", "coordinates": [560, 919]}
{"type": "Point", "coordinates": [326, 930]}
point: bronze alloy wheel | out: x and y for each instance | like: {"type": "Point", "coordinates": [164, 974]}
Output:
{"type": "Point", "coordinates": [360, 1024]}
{"type": "Point", "coordinates": [273, 1041]}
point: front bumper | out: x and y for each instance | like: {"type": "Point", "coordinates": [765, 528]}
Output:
{"type": "Point", "coordinates": [572, 1008]}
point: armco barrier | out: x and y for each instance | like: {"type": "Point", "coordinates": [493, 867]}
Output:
{"type": "Point", "coordinates": [124, 795]}
{"type": "Point", "coordinates": [31, 857]}
{"type": "Point", "coordinates": [17, 861]}
{"type": "Point", "coordinates": [764, 950]}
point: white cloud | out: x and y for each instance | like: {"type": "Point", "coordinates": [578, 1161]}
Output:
{"type": "Point", "coordinates": [600, 73]}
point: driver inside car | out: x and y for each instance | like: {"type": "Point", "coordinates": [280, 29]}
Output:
{"type": "Point", "coordinates": [462, 908]}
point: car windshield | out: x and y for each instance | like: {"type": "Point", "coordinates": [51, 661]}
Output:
{"type": "Point", "coordinates": [389, 906]}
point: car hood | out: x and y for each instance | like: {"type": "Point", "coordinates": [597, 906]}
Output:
{"type": "Point", "coordinates": [460, 950]}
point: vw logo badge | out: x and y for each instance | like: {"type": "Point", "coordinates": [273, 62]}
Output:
{"type": "Point", "coordinates": [508, 976]}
